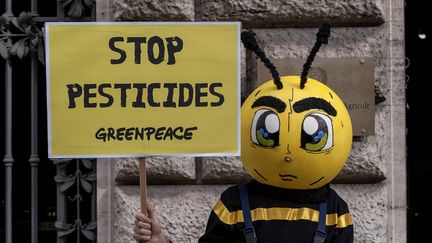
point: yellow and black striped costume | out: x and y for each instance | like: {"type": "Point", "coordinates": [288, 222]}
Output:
{"type": "Point", "coordinates": [279, 215]}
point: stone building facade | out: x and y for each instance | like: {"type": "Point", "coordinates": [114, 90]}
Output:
{"type": "Point", "coordinates": [184, 189]}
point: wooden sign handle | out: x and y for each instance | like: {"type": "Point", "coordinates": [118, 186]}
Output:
{"type": "Point", "coordinates": [143, 186]}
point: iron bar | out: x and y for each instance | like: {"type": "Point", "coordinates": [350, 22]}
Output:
{"type": "Point", "coordinates": [93, 13]}
{"type": "Point", "coordinates": [61, 203]}
{"type": "Point", "coordinates": [8, 158]}
{"type": "Point", "coordinates": [9, 6]}
{"type": "Point", "coordinates": [60, 11]}
{"type": "Point", "coordinates": [34, 156]}
{"type": "Point", "coordinates": [61, 168]}
{"type": "Point", "coordinates": [13, 35]}
{"type": "Point", "coordinates": [78, 201]}
{"type": "Point", "coordinates": [34, 6]}
{"type": "Point", "coordinates": [66, 19]}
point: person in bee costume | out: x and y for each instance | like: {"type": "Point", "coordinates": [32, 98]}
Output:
{"type": "Point", "coordinates": [296, 136]}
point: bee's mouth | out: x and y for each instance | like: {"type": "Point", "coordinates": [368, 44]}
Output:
{"type": "Point", "coordinates": [287, 177]}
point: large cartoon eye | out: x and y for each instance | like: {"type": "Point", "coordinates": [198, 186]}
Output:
{"type": "Point", "coordinates": [317, 132]}
{"type": "Point", "coordinates": [265, 128]}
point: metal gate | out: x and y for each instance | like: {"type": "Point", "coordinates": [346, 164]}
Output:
{"type": "Point", "coordinates": [41, 200]}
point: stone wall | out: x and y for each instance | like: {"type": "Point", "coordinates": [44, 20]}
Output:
{"type": "Point", "coordinates": [184, 189]}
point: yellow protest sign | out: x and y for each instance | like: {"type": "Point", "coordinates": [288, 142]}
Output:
{"type": "Point", "coordinates": [136, 89]}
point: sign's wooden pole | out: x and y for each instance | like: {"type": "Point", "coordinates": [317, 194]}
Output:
{"type": "Point", "coordinates": [143, 186]}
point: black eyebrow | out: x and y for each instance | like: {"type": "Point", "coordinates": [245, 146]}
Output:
{"type": "Point", "coordinates": [270, 101]}
{"type": "Point", "coordinates": [314, 103]}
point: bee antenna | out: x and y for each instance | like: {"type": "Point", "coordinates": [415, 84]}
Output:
{"type": "Point", "coordinates": [322, 38]}
{"type": "Point", "coordinates": [250, 43]}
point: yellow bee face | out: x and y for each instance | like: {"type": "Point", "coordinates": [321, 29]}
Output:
{"type": "Point", "coordinates": [294, 138]}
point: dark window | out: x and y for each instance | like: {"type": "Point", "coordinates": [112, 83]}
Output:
{"type": "Point", "coordinates": [419, 166]}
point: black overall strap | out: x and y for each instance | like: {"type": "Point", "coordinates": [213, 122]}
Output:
{"type": "Point", "coordinates": [321, 234]}
{"type": "Point", "coordinates": [249, 230]}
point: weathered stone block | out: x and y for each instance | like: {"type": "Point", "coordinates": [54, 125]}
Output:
{"type": "Point", "coordinates": [183, 210]}
{"type": "Point", "coordinates": [368, 207]}
{"type": "Point", "coordinates": [343, 42]}
{"type": "Point", "coordinates": [147, 10]}
{"type": "Point", "coordinates": [282, 14]}
{"type": "Point", "coordinates": [223, 170]}
{"type": "Point", "coordinates": [160, 170]}
{"type": "Point", "coordinates": [243, 75]}
{"type": "Point", "coordinates": [367, 160]}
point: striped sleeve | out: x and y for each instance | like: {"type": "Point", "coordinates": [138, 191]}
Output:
{"type": "Point", "coordinates": [344, 227]}
{"type": "Point", "coordinates": [217, 231]}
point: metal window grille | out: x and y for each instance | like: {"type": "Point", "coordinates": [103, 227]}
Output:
{"type": "Point", "coordinates": [72, 217]}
